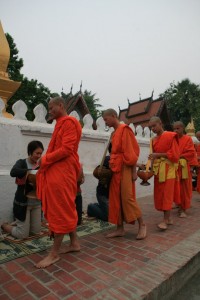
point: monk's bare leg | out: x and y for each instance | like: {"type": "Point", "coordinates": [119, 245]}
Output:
{"type": "Point", "coordinates": [74, 245]}
{"type": "Point", "coordinates": [142, 232]}
{"type": "Point", "coordinates": [167, 220]}
{"type": "Point", "coordinates": [117, 233]}
{"type": "Point", "coordinates": [53, 255]}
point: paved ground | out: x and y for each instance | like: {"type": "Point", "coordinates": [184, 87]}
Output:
{"type": "Point", "coordinates": [120, 268]}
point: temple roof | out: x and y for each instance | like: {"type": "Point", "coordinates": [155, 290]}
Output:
{"type": "Point", "coordinates": [76, 102]}
{"type": "Point", "coordinates": [140, 112]}
{"type": "Point", "coordinates": [139, 107]}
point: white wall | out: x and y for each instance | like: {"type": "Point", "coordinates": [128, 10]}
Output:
{"type": "Point", "coordinates": [15, 134]}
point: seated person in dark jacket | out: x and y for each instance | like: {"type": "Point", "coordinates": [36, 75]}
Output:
{"type": "Point", "coordinates": [26, 207]}
{"type": "Point", "coordinates": [100, 210]}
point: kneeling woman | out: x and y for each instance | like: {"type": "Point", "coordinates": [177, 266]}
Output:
{"type": "Point", "coordinates": [26, 208]}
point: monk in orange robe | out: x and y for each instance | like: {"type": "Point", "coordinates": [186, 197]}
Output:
{"type": "Point", "coordinates": [165, 158]}
{"type": "Point", "coordinates": [57, 181]}
{"type": "Point", "coordinates": [123, 159]}
{"type": "Point", "coordinates": [188, 159]}
{"type": "Point", "coordinates": [198, 157]}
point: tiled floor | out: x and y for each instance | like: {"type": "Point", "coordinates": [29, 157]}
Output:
{"type": "Point", "coordinates": [105, 268]}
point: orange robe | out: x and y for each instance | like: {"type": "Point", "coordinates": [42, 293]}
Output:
{"type": "Point", "coordinates": [183, 187]}
{"type": "Point", "coordinates": [198, 170]}
{"type": "Point", "coordinates": [167, 143]}
{"type": "Point", "coordinates": [124, 155]}
{"type": "Point", "coordinates": [58, 174]}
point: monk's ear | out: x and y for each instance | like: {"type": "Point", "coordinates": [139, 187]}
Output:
{"type": "Point", "coordinates": [61, 105]}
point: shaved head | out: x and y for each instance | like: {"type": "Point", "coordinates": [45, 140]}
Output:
{"type": "Point", "coordinates": [57, 108]}
{"type": "Point", "coordinates": [110, 117]}
{"type": "Point", "coordinates": [179, 128]}
{"type": "Point", "coordinates": [155, 124]}
{"type": "Point", "coordinates": [58, 100]}
{"type": "Point", "coordinates": [110, 112]}
{"type": "Point", "coordinates": [155, 119]}
{"type": "Point", "coordinates": [198, 135]}
{"type": "Point", "coordinates": [179, 123]}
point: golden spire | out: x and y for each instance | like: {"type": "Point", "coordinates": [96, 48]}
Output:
{"type": "Point", "coordinates": [7, 87]}
{"type": "Point", "coordinates": [190, 129]}
{"type": "Point", "coordinates": [4, 53]}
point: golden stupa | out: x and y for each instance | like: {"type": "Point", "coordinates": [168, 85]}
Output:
{"type": "Point", "coordinates": [190, 129]}
{"type": "Point", "coordinates": [7, 87]}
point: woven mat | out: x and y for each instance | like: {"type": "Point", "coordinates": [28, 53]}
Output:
{"type": "Point", "coordinates": [11, 239]}
{"type": "Point", "coordinates": [11, 249]}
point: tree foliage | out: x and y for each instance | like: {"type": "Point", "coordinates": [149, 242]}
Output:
{"type": "Point", "coordinates": [31, 91]}
{"type": "Point", "coordinates": [15, 63]}
{"type": "Point", "coordinates": [92, 104]}
{"type": "Point", "coordinates": [183, 102]}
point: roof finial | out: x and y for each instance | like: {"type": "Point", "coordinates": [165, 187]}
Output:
{"type": "Point", "coordinates": [140, 96]}
{"type": "Point", "coordinates": [128, 101]}
{"type": "Point", "coordinates": [71, 88]}
{"type": "Point", "coordinates": [81, 87]}
{"type": "Point", "coordinates": [119, 108]}
{"type": "Point", "coordinates": [152, 94]}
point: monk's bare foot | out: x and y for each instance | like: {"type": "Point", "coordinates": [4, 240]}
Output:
{"type": "Point", "coordinates": [142, 233]}
{"type": "Point", "coordinates": [70, 248]}
{"type": "Point", "coordinates": [116, 233]}
{"type": "Point", "coordinates": [169, 222]}
{"type": "Point", "coordinates": [182, 215]}
{"type": "Point", "coordinates": [175, 206]}
{"type": "Point", "coordinates": [162, 226]}
{"type": "Point", "coordinates": [47, 261]}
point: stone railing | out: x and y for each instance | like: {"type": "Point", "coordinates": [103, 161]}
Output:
{"type": "Point", "coordinates": [20, 109]}
{"type": "Point", "coordinates": [17, 132]}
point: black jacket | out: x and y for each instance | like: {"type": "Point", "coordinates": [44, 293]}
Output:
{"type": "Point", "coordinates": [20, 201]}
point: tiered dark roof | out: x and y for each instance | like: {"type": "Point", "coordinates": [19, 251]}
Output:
{"type": "Point", "coordinates": [140, 112]}
{"type": "Point", "coordinates": [76, 103]}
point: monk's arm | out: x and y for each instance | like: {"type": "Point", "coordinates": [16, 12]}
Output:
{"type": "Point", "coordinates": [68, 142]}
{"type": "Point", "coordinates": [189, 151]}
{"type": "Point", "coordinates": [173, 154]}
{"type": "Point", "coordinates": [130, 148]}
{"type": "Point", "coordinates": [157, 155]}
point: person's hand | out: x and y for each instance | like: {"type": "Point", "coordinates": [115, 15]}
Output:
{"type": "Point", "coordinates": [141, 166]}
{"type": "Point", "coordinates": [154, 156]}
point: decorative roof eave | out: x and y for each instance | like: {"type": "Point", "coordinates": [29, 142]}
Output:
{"type": "Point", "coordinates": [162, 106]}
{"type": "Point", "coordinates": [122, 110]}
{"type": "Point", "coordinates": [78, 97]}
{"type": "Point", "coordinates": [149, 99]}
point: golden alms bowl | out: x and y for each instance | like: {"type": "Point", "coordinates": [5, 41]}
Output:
{"type": "Point", "coordinates": [145, 176]}
{"type": "Point", "coordinates": [31, 178]}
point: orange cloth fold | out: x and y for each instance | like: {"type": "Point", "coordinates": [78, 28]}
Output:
{"type": "Point", "coordinates": [58, 174]}
{"type": "Point", "coordinates": [198, 169]}
{"type": "Point", "coordinates": [167, 143]}
{"type": "Point", "coordinates": [124, 156]}
{"type": "Point", "coordinates": [183, 186]}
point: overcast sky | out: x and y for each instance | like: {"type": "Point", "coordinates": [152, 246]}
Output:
{"type": "Point", "coordinates": [118, 48]}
